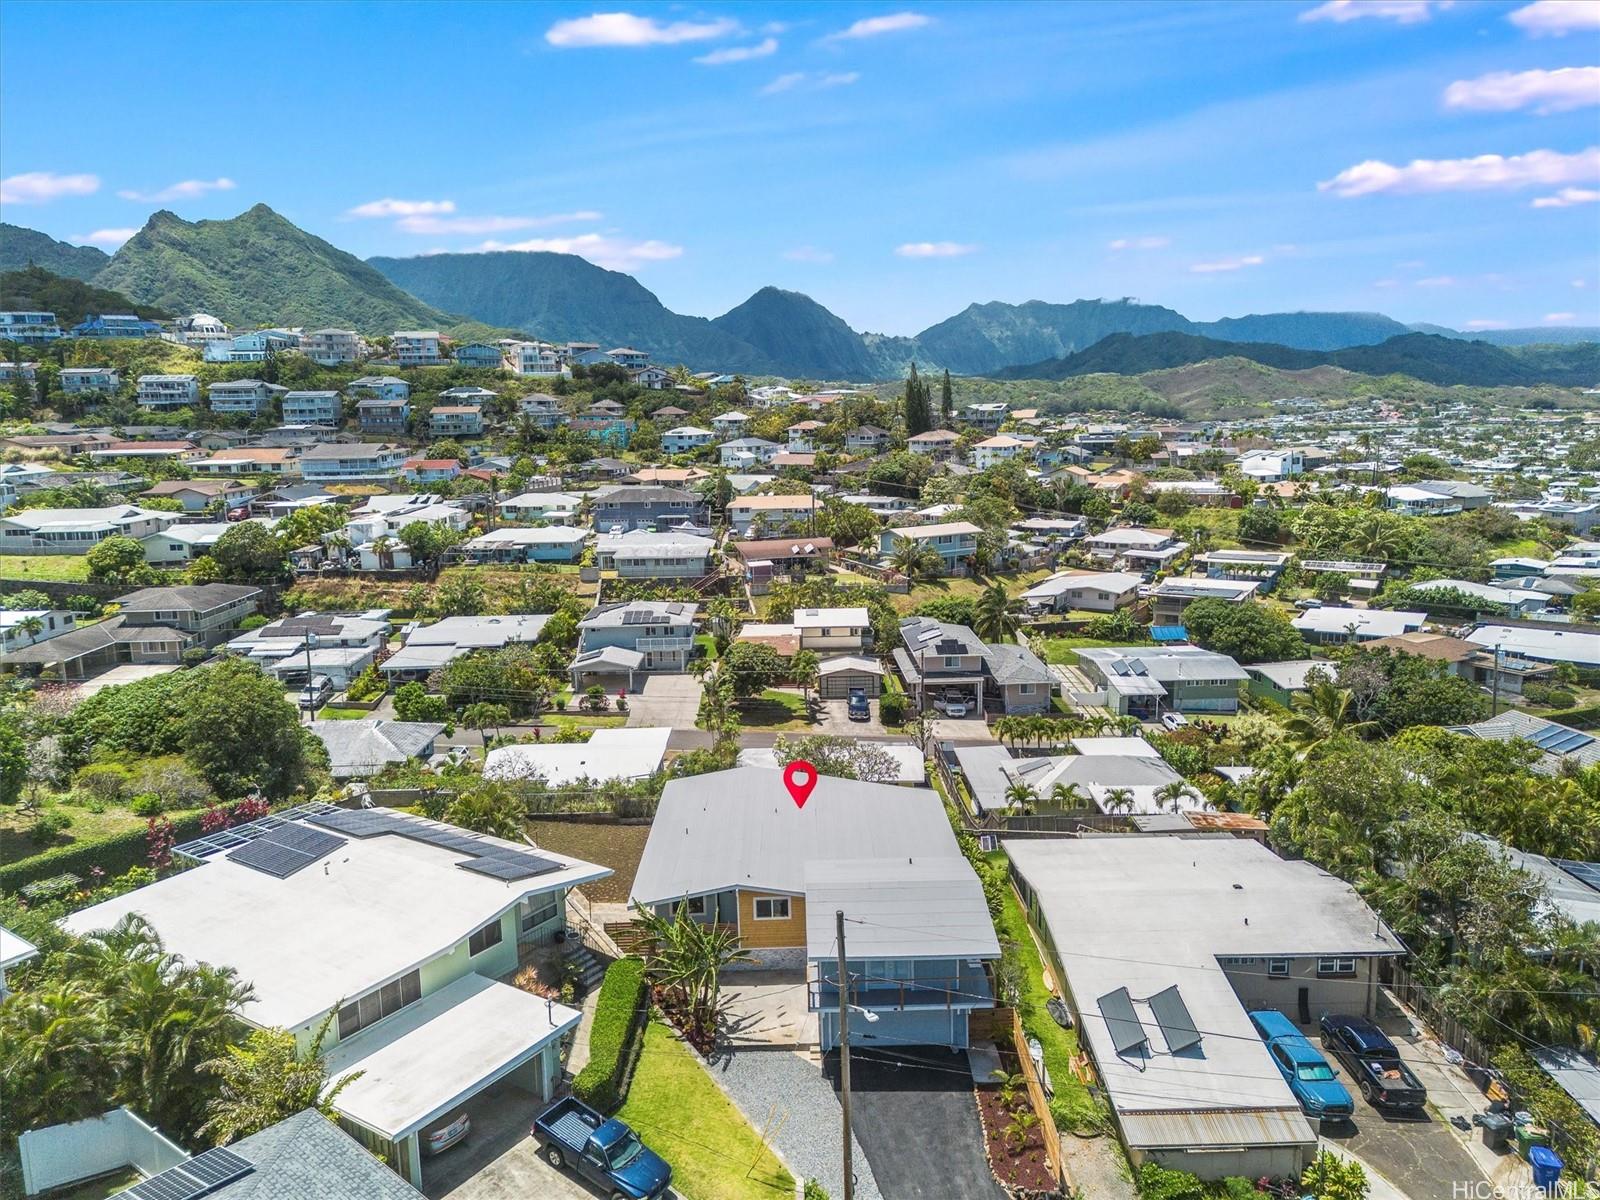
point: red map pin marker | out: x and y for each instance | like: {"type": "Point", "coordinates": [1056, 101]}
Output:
{"type": "Point", "coordinates": [800, 777]}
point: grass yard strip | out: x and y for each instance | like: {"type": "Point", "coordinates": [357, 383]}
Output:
{"type": "Point", "coordinates": [682, 1115]}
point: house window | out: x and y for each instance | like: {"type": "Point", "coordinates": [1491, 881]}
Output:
{"type": "Point", "coordinates": [1024, 689]}
{"type": "Point", "coordinates": [772, 908]}
{"type": "Point", "coordinates": [695, 906]}
{"type": "Point", "coordinates": [379, 1003]}
{"type": "Point", "coordinates": [952, 662]}
{"type": "Point", "coordinates": [480, 941]}
{"type": "Point", "coordinates": [545, 912]}
{"type": "Point", "coordinates": [1278, 968]}
{"type": "Point", "coordinates": [1331, 967]}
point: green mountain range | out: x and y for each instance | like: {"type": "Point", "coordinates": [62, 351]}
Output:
{"type": "Point", "coordinates": [259, 269]}
{"type": "Point", "coordinates": [34, 289]}
{"type": "Point", "coordinates": [1428, 357]}
{"type": "Point", "coordinates": [21, 247]}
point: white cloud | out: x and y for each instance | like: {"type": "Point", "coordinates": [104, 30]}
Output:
{"type": "Point", "coordinates": [1556, 18]}
{"type": "Point", "coordinates": [1155, 242]}
{"type": "Point", "coordinates": [837, 79]}
{"type": "Point", "coordinates": [1485, 172]}
{"type": "Point", "coordinates": [1580, 283]}
{"type": "Point", "coordinates": [1228, 264]}
{"type": "Point", "coordinates": [390, 207]}
{"type": "Point", "coordinates": [733, 54]}
{"type": "Point", "coordinates": [480, 225]}
{"type": "Point", "coordinates": [1567, 197]}
{"type": "Point", "coordinates": [185, 189]}
{"type": "Point", "coordinates": [1486, 324]}
{"type": "Point", "coordinates": [1385, 283]}
{"type": "Point", "coordinates": [1559, 318]}
{"type": "Point", "coordinates": [1402, 12]}
{"type": "Point", "coordinates": [801, 80]}
{"type": "Point", "coordinates": [808, 254]}
{"type": "Point", "coordinates": [1561, 90]}
{"type": "Point", "coordinates": [604, 250]}
{"type": "Point", "coordinates": [935, 249]}
{"type": "Point", "coordinates": [784, 83]}
{"type": "Point", "coordinates": [1437, 281]}
{"type": "Point", "coordinates": [626, 29]}
{"type": "Point", "coordinates": [41, 187]}
{"type": "Point", "coordinates": [104, 238]}
{"type": "Point", "coordinates": [868, 27]}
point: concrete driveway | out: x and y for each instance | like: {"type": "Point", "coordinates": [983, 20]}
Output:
{"type": "Point", "coordinates": [766, 1008]}
{"type": "Point", "coordinates": [499, 1160]}
{"type": "Point", "coordinates": [916, 1118]}
{"type": "Point", "coordinates": [962, 729]}
{"type": "Point", "coordinates": [667, 701]}
{"type": "Point", "coordinates": [833, 716]}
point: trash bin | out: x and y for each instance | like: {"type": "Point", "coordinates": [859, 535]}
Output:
{"type": "Point", "coordinates": [1496, 1131]}
{"type": "Point", "coordinates": [1546, 1167]}
{"type": "Point", "coordinates": [1529, 1137]}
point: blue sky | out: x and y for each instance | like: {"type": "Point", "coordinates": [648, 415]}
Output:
{"type": "Point", "coordinates": [894, 162]}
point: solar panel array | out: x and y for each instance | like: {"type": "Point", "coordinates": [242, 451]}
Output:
{"type": "Point", "coordinates": [282, 852]}
{"type": "Point", "coordinates": [200, 1176]}
{"type": "Point", "coordinates": [1584, 872]}
{"type": "Point", "coordinates": [487, 858]}
{"type": "Point", "coordinates": [221, 840]}
{"type": "Point", "coordinates": [1558, 739]}
{"type": "Point", "coordinates": [1127, 1031]}
{"type": "Point", "coordinates": [1172, 1015]}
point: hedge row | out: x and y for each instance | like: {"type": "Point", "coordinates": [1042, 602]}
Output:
{"type": "Point", "coordinates": [113, 855]}
{"type": "Point", "coordinates": [1587, 717]}
{"type": "Point", "coordinates": [614, 1037]}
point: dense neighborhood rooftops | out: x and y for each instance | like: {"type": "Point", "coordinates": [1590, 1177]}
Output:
{"type": "Point", "coordinates": [364, 747]}
{"type": "Point", "coordinates": [608, 754]}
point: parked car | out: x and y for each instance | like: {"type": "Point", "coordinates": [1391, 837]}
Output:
{"type": "Point", "coordinates": [1307, 604]}
{"type": "Point", "coordinates": [858, 709]}
{"type": "Point", "coordinates": [318, 694]}
{"type": "Point", "coordinates": [450, 1132]}
{"type": "Point", "coordinates": [952, 704]}
{"type": "Point", "coordinates": [1314, 1083]}
{"type": "Point", "coordinates": [1373, 1062]}
{"type": "Point", "coordinates": [1174, 720]}
{"type": "Point", "coordinates": [605, 1152]}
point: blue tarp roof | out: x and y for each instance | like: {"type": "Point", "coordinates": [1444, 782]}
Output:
{"type": "Point", "coordinates": [1168, 633]}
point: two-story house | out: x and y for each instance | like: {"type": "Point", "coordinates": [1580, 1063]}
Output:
{"type": "Point", "coordinates": [247, 396]}
{"type": "Point", "coordinates": [429, 470]}
{"type": "Point", "coordinates": [402, 929]}
{"type": "Point", "coordinates": [955, 542]}
{"type": "Point", "coordinates": [558, 508]}
{"type": "Point", "coordinates": [646, 554]}
{"type": "Point", "coordinates": [543, 409]}
{"type": "Point", "coordinates": [311, 408]}
{"type": "Point", "coordinates": [209, 612]}
{"type": "Point", "coordinates": [115, 325]}
{"type": "Point", "coordinates": [332, 347]}
{"type": "Point", "coordinates": [26, 626]}
{"type": "Point", "coordinates": [77, 381]}
{"type": "Point", "coordinates": [731, 424]}
{"type": "Point", "coordinates": [617, 642]}
{"type": "Point", "coordinates": [168, 391]}
{"type": "Point", "coordinates": [29, 328]}
{"type": "Point", "coordinates": [279, 461]}
{"type": "Point", "coordinates": [477, 354]}
{"type": "Point", "coordinates": [75, 530]}
{"type": "Point", "coordinates": [919, 943]}
{"type": "Point", "coordinates": [628, 358]}
{"type": "Point", "coordinates": [382, 414]}
{"type": "Point", "coordinates": [536, 359]}
{"type": "Point", "coordinates": [1002, 447]}
{"type": "Point", "coordinates": [833, 630]}
{"type": "Point", "coordinates": [651, 378]}
{"type": "Point", "coordinates": [936, 443]}
{"type": "Point", "coordinates": [802, 436]}
{"type": "Point", "coordinates": [944, 664]}
{"type": "Point", "coordinates": [746, 452]}
{"type": "Point", "coordinates": [516, 544]}
{"type": "Point", "coordinates": [1145, 681]}
{"type": "Point", "coordinates": [867, 439]}
{"type": "Point", "coordinates": [645, 506]}
{"type": "Point", "coordinates": [455, 420]}
{"type": "Point", "coordinates": [1172, 597]}
{"type": "Point", "coordinates": [758, 516]}
{"type": "Point", "coordinates": [197, 495]}
{"type": "Point", "coordinates": [686, 439]}
{"type": "Point", "coordinates": [416, 347]}
{"type": "Point", "coordinates": [358, 462]}
{"type": "Point", "coordinates": [1148, 549]}
{"type": "Point", "coordinates": [1087, 591]}
{"type": "Point", "coordinates": [379, 387]}
{"type": "Point", "coordinates": [987, 416]}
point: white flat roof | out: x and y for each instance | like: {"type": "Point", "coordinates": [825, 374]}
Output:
{"type": "Point", "coordinates": [608, 754]}
{"type": "Point", "coordinates": [816, 618]}
{"type": "Point", "coordinates": [366, 913]}
{"type": "Point", "coordinates": [1127, 747]}
{"type": "Point", "coordinates": [1548, 645]}
{"type": "Point", "coordinates": [1149, 913]}
{"type": "Point", "coordinates": [14, 948]}
{"type": "Point", "coordinates": [438, 1052]}
{"type": "Point", "coordinates": [1369, 622]}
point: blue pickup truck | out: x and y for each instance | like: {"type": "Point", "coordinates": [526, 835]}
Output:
{"type": "Point", "coordinates": [1314, 1083]}
{"type": "Point", "coordinates": [605, 1152]}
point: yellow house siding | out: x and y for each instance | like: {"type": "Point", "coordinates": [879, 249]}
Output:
{"type": "Point", "coordinates": [762, 935]}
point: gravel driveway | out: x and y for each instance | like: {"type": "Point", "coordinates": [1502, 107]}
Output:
{"type": "Point", "coordinates": [807, 1120]}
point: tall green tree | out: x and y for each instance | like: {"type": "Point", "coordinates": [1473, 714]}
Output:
{"type": "Point", "coordinates": [947, 404]}
{"type": "Point", "coordinates": [265, 1080]}
{"type": "Point", "coordinates": [918, 418]}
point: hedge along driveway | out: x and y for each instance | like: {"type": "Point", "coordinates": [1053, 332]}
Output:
{"type": "Point", "coordinates": [614, 1036]}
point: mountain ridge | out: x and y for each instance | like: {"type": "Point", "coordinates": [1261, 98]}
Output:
{"type": "Point", "coordinates": [21, 247]}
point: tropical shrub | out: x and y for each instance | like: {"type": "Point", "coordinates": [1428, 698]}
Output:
{"type": "Point", "coordinates": [614, 1036]}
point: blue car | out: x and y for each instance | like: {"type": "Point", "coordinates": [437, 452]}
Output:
{"type": "Point", "coordinates": [1314, 1083]}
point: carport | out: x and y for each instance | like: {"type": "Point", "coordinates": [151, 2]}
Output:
{"type": "Point", "coordinates": [612, 667]}
{"type": "Point", "coordinates": [426, 1063]}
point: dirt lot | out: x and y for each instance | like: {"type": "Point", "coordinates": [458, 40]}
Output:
{"type": "Point", "coordinates": [616, 846]}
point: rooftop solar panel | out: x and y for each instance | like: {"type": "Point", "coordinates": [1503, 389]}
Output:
{"type": "Point", "coordinates": [272, 859]}
{"type": "Point", "coordinates": [1127, 1032]}
{"type": "Point", "coordinates": [215, 1168]}
{"type": "Point", "coordinates": [359, 823]}
{"type": "Point", "coordinates": [305, 839]}
{"type": "Point", "coordinates": [1584, 872]}
{"type": "Point", "coordinates": [169, 1185]}
{"type": "Point", "coordinates": [524, 866]}
{"type": "Point", "coordinates": [1172, 1015]}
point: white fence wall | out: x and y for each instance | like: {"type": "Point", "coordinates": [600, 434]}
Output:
{"type": "Point", "coordinates": [64, 1154]}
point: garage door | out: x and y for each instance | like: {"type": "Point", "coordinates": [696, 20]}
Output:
{"type": "Point", "coordinates": [837, 686]}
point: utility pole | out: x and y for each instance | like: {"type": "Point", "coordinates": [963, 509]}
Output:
{"type": "Point", "coordinates": [844, 1052]}
{"type": "Point", "coordinates": [311, 703]}
{"type": "Point", "coordinates": [1494, 701]}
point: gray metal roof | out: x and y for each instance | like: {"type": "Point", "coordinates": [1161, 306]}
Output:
{"type": "Point", "coordinates": [898, 908]}
{"type": "Point", "coordinates": [308, 1157]}
{"type": "Point", "coordinates": [361, 748]}
{"type": "Point", "coordinates": [191, 598]}
{"type": "Point", "coordinates": [740, 829]}
{"type": "Point", "coordinates": [985, 769]}
{"type": "Point", "coordinates": [1009, 663]}
{"type": "Point", "coordinates": [1577, 1076]}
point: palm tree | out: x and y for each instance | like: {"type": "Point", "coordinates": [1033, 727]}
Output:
{"type": "Point", "coordinates": [383, 548]}
{"type": "Point", "coordinates": [1324, 711]}
{"type": "Point", "coordinates": [685, 958]}
{"type": "Point", "coordinates": [1067, 796]}
{"type": "Point", "coordinates": [1171, 795]}
{"type": "Point", "coordinates": [916, 560]}
{"type": "Point", "coordinates": [265, 1080]}
{"type": "Point", "coordinates": [32, 627]}
{"type": "Point", "coordinates": [803, 668]}
{"type": "Point", "coordinates": [1119, 799]}
{"type": "Point", "coordinates": [995, 619]}
{"type": "Point", "coordinates": [1021, 797]}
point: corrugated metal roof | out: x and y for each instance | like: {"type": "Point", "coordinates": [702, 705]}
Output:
{"type": "Point", "coordinates": [1216, 1129]}
{"type": "Point", "coordinates": [898, 908]}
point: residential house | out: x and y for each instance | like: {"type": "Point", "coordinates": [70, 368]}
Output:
{"type": "Point", "coordinates": [1580, 516]}
{"type": "Point", "coordinates": [416, 347]}
{"type": "Point", "coordinates": [652, 378]}
{"type": "Point", "coordinates": [282, 461]}
{"type": "Point", "coordinates": [626, 755]}
{"type": "Point", "coordinates": [197, 329]}
{"type": "Point", "coordinates": [833, 630]}
{"type": "Point", "coordinates": [207, 612]}
{"type": "Point", "coordinates": [168, 391]}
{"type": "Point", "coordinates": [29, 328]}
{"type": "Point", "coordinates": [1188, 937]}
{"type": "Point", "coordinates": [431, 647]}
{"type": "Point", "coordinates": [777, 874]}
{"type": "Point", "coordinates": [455, 420]}
{"type": "Point", "coordinates": [248, 396]}
{"type": "Point", "coordinates": [378, 414]}
{"type": "Point", "coordinates": [645, 554]}
{"type": "Point", "coordinates": [938, 443]}
{"type": "Point", "coordinates": [1498, 672]}
{"type": "Point", "coordinates": [16, 626]}
{"type": "Point", "coordinates": [731, 424]}
{"type": "Point", "coordinates": [311, 408]}
{"type": "Point", "coordinates": [1149, 549]}
{"type": "Point", "coordinates": [1281, 682]}
{"type": "Point", "coordinates": [250, 347]}
{"type": "Point", "coordinates": [942, 662]}
{"type": "Point", "coordinates": [883, 507]}
{"type": "Point", "coordinates": [1272, 466]}
{"type": "Point", "coordinates": [1052, 531]}
{"type": "Point", "coordinates": [332, 347]}
{"type": "Point", "coordinates": [609, 430]}
{"type": "Point", "coordinates": [535, 359]}
{"type": "Point", "coordinates": [1337, 623]}
{"type": "Point", "coordinates": [1172, 597]}
{"type": "Point", "coordinates": [1262, 565]}
{"type": "Point", "coordinates": [769, 560]}
{"type": "Point", "coordinates": [197, 495]}
{"type": "Point", "coordinates": [988, 416]}
{"type": "Point", "coordinates": [333, 645]}
{"type": "Point", "coordinates": [75, 530]}
{"type": "Point", "coordinates": [756, 516]}
{"type": "Point", "coordinates": [371, 915]}
{"type": "Point", "coordinates": [1000, 448]}
{"type": "Point", "coordinates": [179, 451]}
{"type": "Point", "coordinates": [1561, 748]}
{"type": "Point", "coordinates": [618, 641]}
{"type": "Point", "coordinates": [1138, 782]}
{"type": "Point", "coordinates": [802, 437]}
{"type": "Point", "coordinates": [1501, 599]}
{"type": "Point", "coordinates": [379, 387]}
{"type": "Point", "coordinates": [955, 542]}
{"type": "Point", "coordinates": [622, 508]}
{"type": "Point", "coordinates": [867, 439]}
{"type": "Point", "coordinates": [183, 542]}
{"type": "Point", "coordinates": [513, 544]}
{"type": "Point", "coordinates": [1086, 591]}
{"type": "Point", "coordinates": [359, 462]}
{"type": "Point", "coordinates": [78, 381]}
{"type": "Point", "coordinates": [746, 452]}
{"type": "Point", "coordinates": [478, 354]}
{"type": "Point", "coordinates": [1145, 681]}
{"type": "Point", "coordinates": [686, 439]}
{"type": "Point", "coordinates": [1435, 497]}
{"type": "Point", "coordinates": [429, 470]}
{"type": "Point", "coordinates": [541, 408]}
{"type": "Point", "coordinates": [558, 508]}
{"type": "Point", "coordinates": [1540, 644]}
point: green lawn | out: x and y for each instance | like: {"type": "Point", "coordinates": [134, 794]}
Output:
{"type": "Point", "coordinates": [15, 845]}
{"type": "Point", "coordinates": [776, 710]}
{"type": "Point", "coordinates": [99, 1189]}
{"type": "Point", "coordinates": [683, 1116]}
{"type": "Point", "coordinates": [60, 568]}
{"type": "Point", "coordinates": [708, 645]}
{"type": "Point", "coordinates": [574, 719]}
{"type": "Point", "coordinates": [1060, 1045]}
{"type": "Point", "coordinates": [332, 712]}
{"type": "Point", "coordinates": [1061, 649]}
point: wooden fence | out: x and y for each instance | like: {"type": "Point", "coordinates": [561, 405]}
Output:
{"type": "Point", "coordinates": [1041, 1104]}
